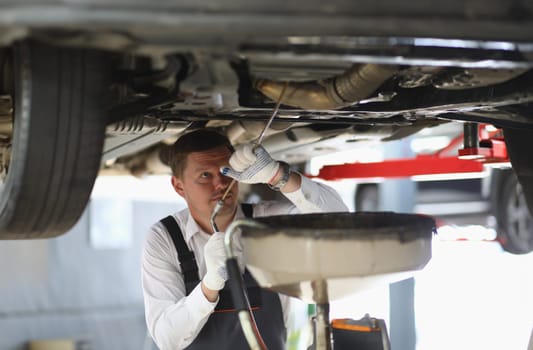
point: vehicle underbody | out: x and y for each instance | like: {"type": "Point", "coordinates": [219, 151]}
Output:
{"type": "Point", "coordinates": [349, 72]}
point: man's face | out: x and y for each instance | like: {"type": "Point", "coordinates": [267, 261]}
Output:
{"type": "Point", "coordinates": [202, 185]}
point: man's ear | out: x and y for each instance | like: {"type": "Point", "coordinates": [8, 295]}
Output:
{"type": "Point", "coordinates": [178, 185]}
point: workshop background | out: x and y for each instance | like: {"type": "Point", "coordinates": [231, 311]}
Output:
{"type": "Point", "coordinates": [82, 290]}
{"type": "Point", "coordinates": [83, 287]}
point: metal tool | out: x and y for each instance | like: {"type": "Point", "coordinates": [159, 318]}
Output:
{"type": "Point", "coordinates": [220, 203]}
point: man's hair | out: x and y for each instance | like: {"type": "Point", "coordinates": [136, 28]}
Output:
{"type": "Point", "coordinates": [195, 141]}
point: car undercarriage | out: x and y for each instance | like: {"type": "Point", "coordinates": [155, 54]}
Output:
{"type": "Point", "coordinates": [98, 87]}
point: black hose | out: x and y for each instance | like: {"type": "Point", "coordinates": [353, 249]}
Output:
{"type": "Point", "coordinates": [238, 290]}
{"type": "Point", "coordinates": [237, 287]}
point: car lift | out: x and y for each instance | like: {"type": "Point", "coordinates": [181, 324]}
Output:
{"type": "Point", "coordinates": [479, 147]}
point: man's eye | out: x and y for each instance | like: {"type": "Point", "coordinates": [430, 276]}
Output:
{"type": "Point", "coordinates": [204, 175]}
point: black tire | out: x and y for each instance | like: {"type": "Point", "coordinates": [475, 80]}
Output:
{"type": "Point", "coordinates": [515, 224]}
{"type": "Point", "coordinates": [59, 125]}
{"type": "Point", "coordinates": [367, 198]}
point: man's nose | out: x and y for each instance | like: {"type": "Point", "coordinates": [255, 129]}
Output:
{"type": "Point", "coordinates": [222, 180]}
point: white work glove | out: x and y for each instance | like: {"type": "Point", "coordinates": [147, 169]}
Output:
{"type": "Point", "coordinates": [215, 262]}
{"type": "Point", "coordinates": [251, 164]}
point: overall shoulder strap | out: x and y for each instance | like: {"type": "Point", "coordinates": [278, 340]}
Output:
{"type": "Point", "coordinates": [248, 210]}
{"type": "Point", "coordinates": [189, 268]}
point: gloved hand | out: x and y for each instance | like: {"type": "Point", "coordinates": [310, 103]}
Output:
{"type": "Point", "coordinates": [215, 262]}
{"type": "Point", "coordinates": [251, 164]}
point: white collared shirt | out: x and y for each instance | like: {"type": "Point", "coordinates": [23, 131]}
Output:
{"type": "Point", "coordinates": [174, 319]}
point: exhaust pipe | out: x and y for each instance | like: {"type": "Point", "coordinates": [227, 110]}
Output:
{"type": "Point", "coordinates": [356, 84]}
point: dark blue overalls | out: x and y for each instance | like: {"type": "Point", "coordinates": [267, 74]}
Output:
{"type": "Point", "coordinates": [223, 330]}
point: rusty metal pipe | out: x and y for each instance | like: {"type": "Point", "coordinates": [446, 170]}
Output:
{"type": "Point", "coordinates": [356, 84]}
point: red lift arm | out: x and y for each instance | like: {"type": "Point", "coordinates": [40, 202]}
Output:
{"type": "Point", "coordinates": [470, 160]}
